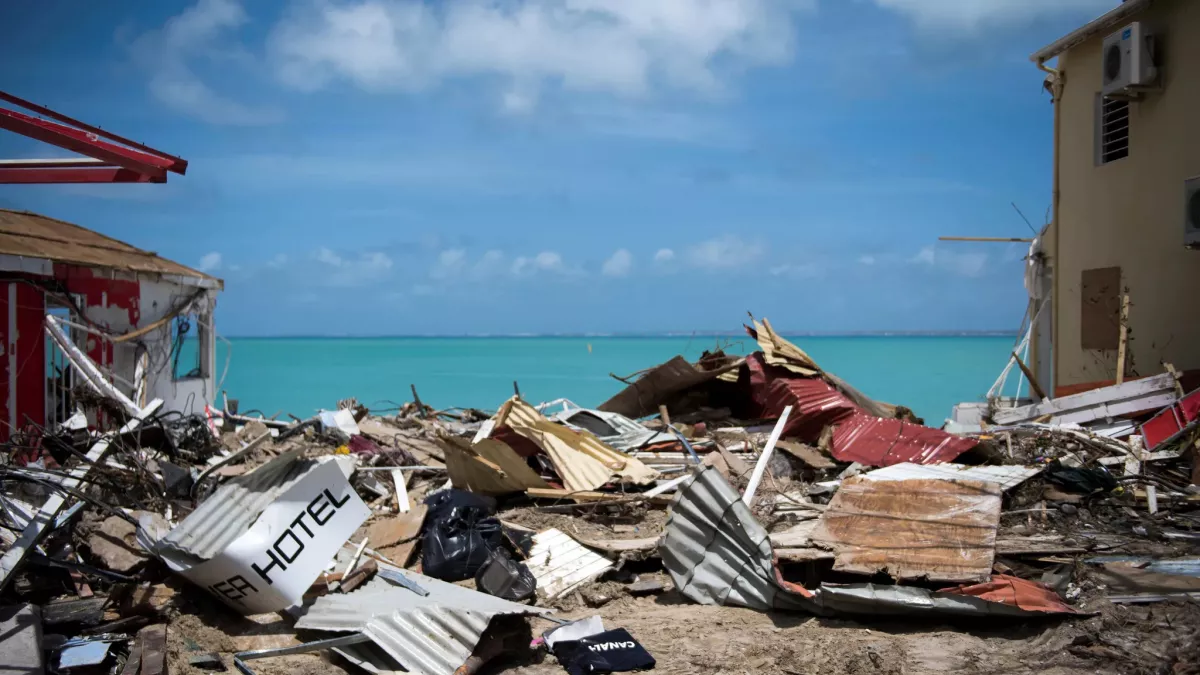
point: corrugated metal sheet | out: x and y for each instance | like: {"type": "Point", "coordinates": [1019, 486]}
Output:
{"type": "Point", "coordinates": [941, 530]}
{"type": "Point", "coordinates": [656, 386]}
{"type": "Point", "coordinates": [629, 434]}
{"type": "Point", "coordinates": [781, 353]}
{"type": "Point", "coordinates": [468, 473]}
{"type": "Point", "coordinates": [858, 436]}
{"type": "Point", "coordinates": [582, 461]}
{"type": "Point", "coordinates": [718, 554]}
{"type": "Point", "coordinates": [35, 236]}
{"type": "Point", "coordinates": [560, 564]}
{"type": "Point", "coordinates": [1005, 597]}
{"type": "Point", "coordinates": [1188, 567]}
{"type": "Point", "coordinates": [1007, 477]}
{"type": "Point", "coordinates": [232, 509]}
{"type": "Point", "coordinates": [429, 635]}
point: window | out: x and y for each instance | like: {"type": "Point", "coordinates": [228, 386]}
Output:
{"type": "Point", "coordinates": [187, 349]}
{"type": "Point", "coordinates": [1112, 129]}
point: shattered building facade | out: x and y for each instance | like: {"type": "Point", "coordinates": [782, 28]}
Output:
{"type": "Point", "coordinates": [145, 321]}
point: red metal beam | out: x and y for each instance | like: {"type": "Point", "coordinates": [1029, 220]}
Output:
{"type": "Point", "coordinates": [178, 164]}
{"type": "Point", "coordinates": [33, 176]}
{"type": "Point", "coordinates": [84, 143]}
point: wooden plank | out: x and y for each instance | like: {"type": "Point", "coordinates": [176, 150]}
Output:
{"type": "Point", "coordinates": [1123, 341]}
{"type": "Point", "coordinates": [154, 649]}
{"type": "Point", "coordinates": [401, 480]}
{"type": "Point", "coordinates": [588, 496]}
{"type": "Point", "coordinates": [37, 528]}
{"type": "Point", "coordinates": [1135, 396]}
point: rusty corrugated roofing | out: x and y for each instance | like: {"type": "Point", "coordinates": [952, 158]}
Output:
{"type": "Point", "coordinates": [35, 236]}
{"type": "Point", "coordinates": [468, 473]}
{"type": "Point", "coordinates": [941, 530]}
{"type": "Point", "coordinates": [656, 385]}
{"type": "Point", "coordinates": [581, 460]}
{"type": "Point", "coordinates": [858, 436]}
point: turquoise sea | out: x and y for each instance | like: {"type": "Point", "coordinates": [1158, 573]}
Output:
{"type": "Point", "coordinates": [300, 375]}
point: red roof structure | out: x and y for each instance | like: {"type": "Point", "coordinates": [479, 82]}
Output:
{"type": "Point", "coordinates": [105, 157]}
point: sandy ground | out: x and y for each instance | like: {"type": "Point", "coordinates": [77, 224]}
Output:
{"type": "Point", "coordinates": [687, 638]}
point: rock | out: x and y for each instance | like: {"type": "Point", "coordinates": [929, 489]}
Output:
{"type": "Point", "coordinates": [1069, 509]}
{"type": "Point", "coordinates": [114, 544]}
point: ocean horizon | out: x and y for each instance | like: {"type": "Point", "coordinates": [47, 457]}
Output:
{"type": "Point", "coordinates": [299, 375]}
{"type": "Point", "coordinates": [666, 334]}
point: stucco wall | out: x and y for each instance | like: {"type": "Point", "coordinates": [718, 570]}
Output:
{"type": "Point", "coordinates": [1129, 213]}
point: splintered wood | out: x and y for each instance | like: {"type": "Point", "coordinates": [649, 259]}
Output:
{"type": "Point", "coordinates": [940, 530]}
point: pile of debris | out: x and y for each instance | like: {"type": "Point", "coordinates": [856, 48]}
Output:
{"type": "Point", "coordinates": [436, 541]}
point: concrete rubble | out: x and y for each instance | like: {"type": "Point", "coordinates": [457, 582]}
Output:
{"type": "Point", "coordinates": [719, 490]}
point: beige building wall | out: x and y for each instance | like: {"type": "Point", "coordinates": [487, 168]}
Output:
{"type": "Point", "coordinates": [1130, 213]}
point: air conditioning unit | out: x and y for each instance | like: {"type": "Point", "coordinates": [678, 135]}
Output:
{"type": "Point", "coordinates": [1128, 59]}
{"type": "Point", "coordinates": [1191, 212]}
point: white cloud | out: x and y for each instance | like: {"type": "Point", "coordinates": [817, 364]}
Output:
{"type": "Point", "coordinates": [866, 260]}
{"type": "Point", "coordinates": [450, 264]}
{"type": "Point", "coordinates": [199, 32]}
{"type": "Point", "coordinates": [278, 261]}
{"type": "Point", "coordinates": [328, 257]}
{"type": "Point", "coordinates": [974, 15]}
{"type": "Point", "coordinates": [627, 48]}
{"type": "Point", "coordinates": [619, 265]}
{"type": "Point", "coordinates": [664, 255]}
{"type": "Point", "coordinates": [210, 262]}
{"type": "Point", "coordinates": [966, 264]}
{"type": "Point", "coordinates": [726, 252]}
{"type": "Point", "coordinates": [546, 261]}
{"type": "Point", "coordinates": [369, 267]}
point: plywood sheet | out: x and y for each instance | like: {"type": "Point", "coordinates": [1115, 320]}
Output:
{"type": "Point", "coordinates": [1100, 307]}
{"type": "Point", "coordinates": [941, 530]}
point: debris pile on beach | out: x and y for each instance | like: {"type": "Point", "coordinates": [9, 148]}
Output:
{"type": "Point", "coordinates": [737, 514]}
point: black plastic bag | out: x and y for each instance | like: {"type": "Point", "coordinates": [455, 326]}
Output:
{"type": "Point", "coordinates": [459, 535]}
{"type": "Point", "coordinates": [1080, 480]}
{"type": "Point", "coordinates": [613, 651]}
{"type": "Point", "coordinates": [505, 578]}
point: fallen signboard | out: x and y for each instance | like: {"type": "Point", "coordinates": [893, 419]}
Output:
{"type": "Point", "coordinates": [270, 566]}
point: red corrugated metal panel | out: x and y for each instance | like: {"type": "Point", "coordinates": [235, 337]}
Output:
{"type": "Point", "coordinates": [875, 441]}
{"type": "Point", "coordinates": [1028, 595]}
{"type": "Point", "coordinates": [858, 436]}
{"type": "Point", "coordinates": [1172, 420]}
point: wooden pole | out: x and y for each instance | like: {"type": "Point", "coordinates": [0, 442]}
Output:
{"type": "Point", "coordinates": [765, 458]}
{"type": "Point", "coordinates": [1033, 383]}
{"type": "Point", "coordinates": [1122, 345]}
{"type": "Point", "coordinates": [994, 240]}
{"type": "Point", "coordinates": [417, 400]}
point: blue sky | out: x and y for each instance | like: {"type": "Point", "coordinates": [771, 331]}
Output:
{"type": "Point", "coordinates": [397, 167]}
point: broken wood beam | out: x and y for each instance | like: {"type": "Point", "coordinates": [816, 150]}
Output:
{"type": "Point", "coordinates": [588, 496]}
{"type": "Point", "coordinates": [1134, 396]}
{"type": "Point", "coordinates": [1033, 382]}
{"type": "Point", "coordinates": [1123, 342]}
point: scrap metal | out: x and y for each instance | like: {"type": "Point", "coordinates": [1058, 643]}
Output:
{"type": "Point", "coordinates": [430, 634]}
{"type": "Point", "coordinates": [941, 530]}
{"type": "Point", "coordinates": [36, 528]}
